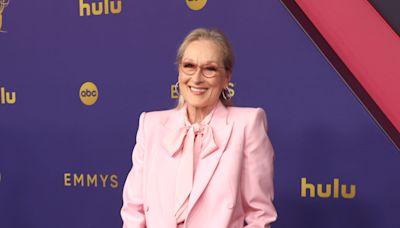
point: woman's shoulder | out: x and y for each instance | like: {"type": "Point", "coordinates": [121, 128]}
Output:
{"type": "Point", "coordinates": [157, 114]}
{"type": "Point", "coordinates": [246, 111]}
{"type": "Point", "coordinates": [247, 115]}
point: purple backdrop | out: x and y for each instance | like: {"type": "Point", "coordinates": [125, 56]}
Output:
{"type": "Point", "coordinates": [51, 143]}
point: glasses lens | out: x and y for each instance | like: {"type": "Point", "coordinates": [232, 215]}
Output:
{"type": "Point", "coordinates": [189, 68]}
{"type": "Point", "coordinates": [207, 71]}
{"type": "Point", "coordinates": [210, 71]}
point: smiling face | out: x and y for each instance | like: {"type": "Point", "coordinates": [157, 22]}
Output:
{"type": "Point", "coordinates": [202, 59]}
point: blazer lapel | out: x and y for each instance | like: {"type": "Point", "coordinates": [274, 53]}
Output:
{"type": "Point", "coordinates": [170, 134]}
{"type": "Point", "coordinates": [209, 158]}
{"type": "Point", "coordinates": [174, 131]}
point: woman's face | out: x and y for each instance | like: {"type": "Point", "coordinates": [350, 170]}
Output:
{"type": "Point", "coordinates": [201, 74]}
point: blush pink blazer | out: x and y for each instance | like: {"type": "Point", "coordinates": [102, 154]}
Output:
{"type": "Point", "coordinates": [233, 181]}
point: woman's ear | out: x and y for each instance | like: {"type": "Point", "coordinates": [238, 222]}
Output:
{"type": "Point", "coordinates": [227, 79]}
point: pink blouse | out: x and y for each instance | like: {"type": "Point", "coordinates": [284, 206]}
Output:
{"type": "Point", "coordinates": [197, 134]}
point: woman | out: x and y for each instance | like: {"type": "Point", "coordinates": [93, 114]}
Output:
{"type": "Point", "coordinates": [204, 164]}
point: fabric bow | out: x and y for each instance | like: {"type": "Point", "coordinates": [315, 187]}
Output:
{"type": "Point", "coordinates": [173, 142]}
{"type": "Point", "coordinates": [184, 140]}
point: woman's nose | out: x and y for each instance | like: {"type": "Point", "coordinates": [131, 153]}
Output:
{"type": "Point", "coordinates": [197, 76]}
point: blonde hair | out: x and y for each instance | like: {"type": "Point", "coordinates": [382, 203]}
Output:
{"type": "Point", "coordinates": [220, 40]}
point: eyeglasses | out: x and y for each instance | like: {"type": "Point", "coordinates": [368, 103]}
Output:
{"type": "Point", "coordinates": [207, 70]}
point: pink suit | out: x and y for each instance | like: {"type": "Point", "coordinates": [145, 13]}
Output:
{"type": "Point", "coordinates": [233, 180]}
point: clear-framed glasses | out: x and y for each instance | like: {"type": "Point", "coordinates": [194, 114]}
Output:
{"type": "Point", "coordinates": [207, 70]}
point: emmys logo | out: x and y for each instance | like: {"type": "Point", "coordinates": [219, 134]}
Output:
{"type": "Point", "coordinates": [7, 97]}
{"type": "Point", "coordinates": [231, 91]}
{"type": "Point", "coordinates": [88, 93]}
{"type": "Point", "coordinates": [90, 180]}
{"type": "Point", "coordinates": [99, 8]}
{"type": "Point", "coordinates": [196, 4]}
{"type": "Point", "coordinates": [3, 5]}
{"type": "Point", "coordinates": [175, 93]}
{"type": "Point", "coordinates": [329, 189]}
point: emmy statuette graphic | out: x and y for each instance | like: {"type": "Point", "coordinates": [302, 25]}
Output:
{"type": "Point", "coordinates": [3, 5]}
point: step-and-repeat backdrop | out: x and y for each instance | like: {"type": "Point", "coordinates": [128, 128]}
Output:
{"type": "Point", "coordinates": [76, 74]}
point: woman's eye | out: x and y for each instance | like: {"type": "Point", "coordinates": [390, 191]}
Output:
{"type": "Point", "coordinates": [211, 68]}
{"type": "Point", "coordinates": [188, 65]}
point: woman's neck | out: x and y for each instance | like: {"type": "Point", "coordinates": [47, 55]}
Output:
{"type": "Point", "coordinates": [196, 114]}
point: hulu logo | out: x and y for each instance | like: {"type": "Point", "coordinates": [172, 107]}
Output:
{"type": "Point", "coordinates": [7, 97]}
{"type": "Point", "coordinates": [100, 8]}
{"type": "Point", "coordinates": [336, 190]}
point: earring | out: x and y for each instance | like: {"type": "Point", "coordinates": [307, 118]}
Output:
{"type": "Point", "coordinates": [226, 94]}
{"type": "Point", "coordinates": [176, 87]}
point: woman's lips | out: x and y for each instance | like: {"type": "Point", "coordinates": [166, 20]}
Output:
{"type": "Point", "coordinates": [197, 90]}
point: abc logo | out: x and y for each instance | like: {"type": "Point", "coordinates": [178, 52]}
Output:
{"type": "Point", "coordinates": [196, 4]}
{"type": "Point", "coordinates": [88, 93]}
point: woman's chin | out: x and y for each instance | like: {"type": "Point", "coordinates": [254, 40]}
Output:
{"type": "Point", "coordinates": [200, 104]}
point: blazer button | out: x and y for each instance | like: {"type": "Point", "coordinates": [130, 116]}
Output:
{"type": "Point", "coordinates": [230, 205]}
{"type": "Point", "coordinates": [146, 208]}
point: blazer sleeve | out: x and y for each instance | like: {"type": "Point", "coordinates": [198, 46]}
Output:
{"type": "Point", "coordinates": [257, 185]}
{"type": "Point", "coordinates": [132, 211]}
